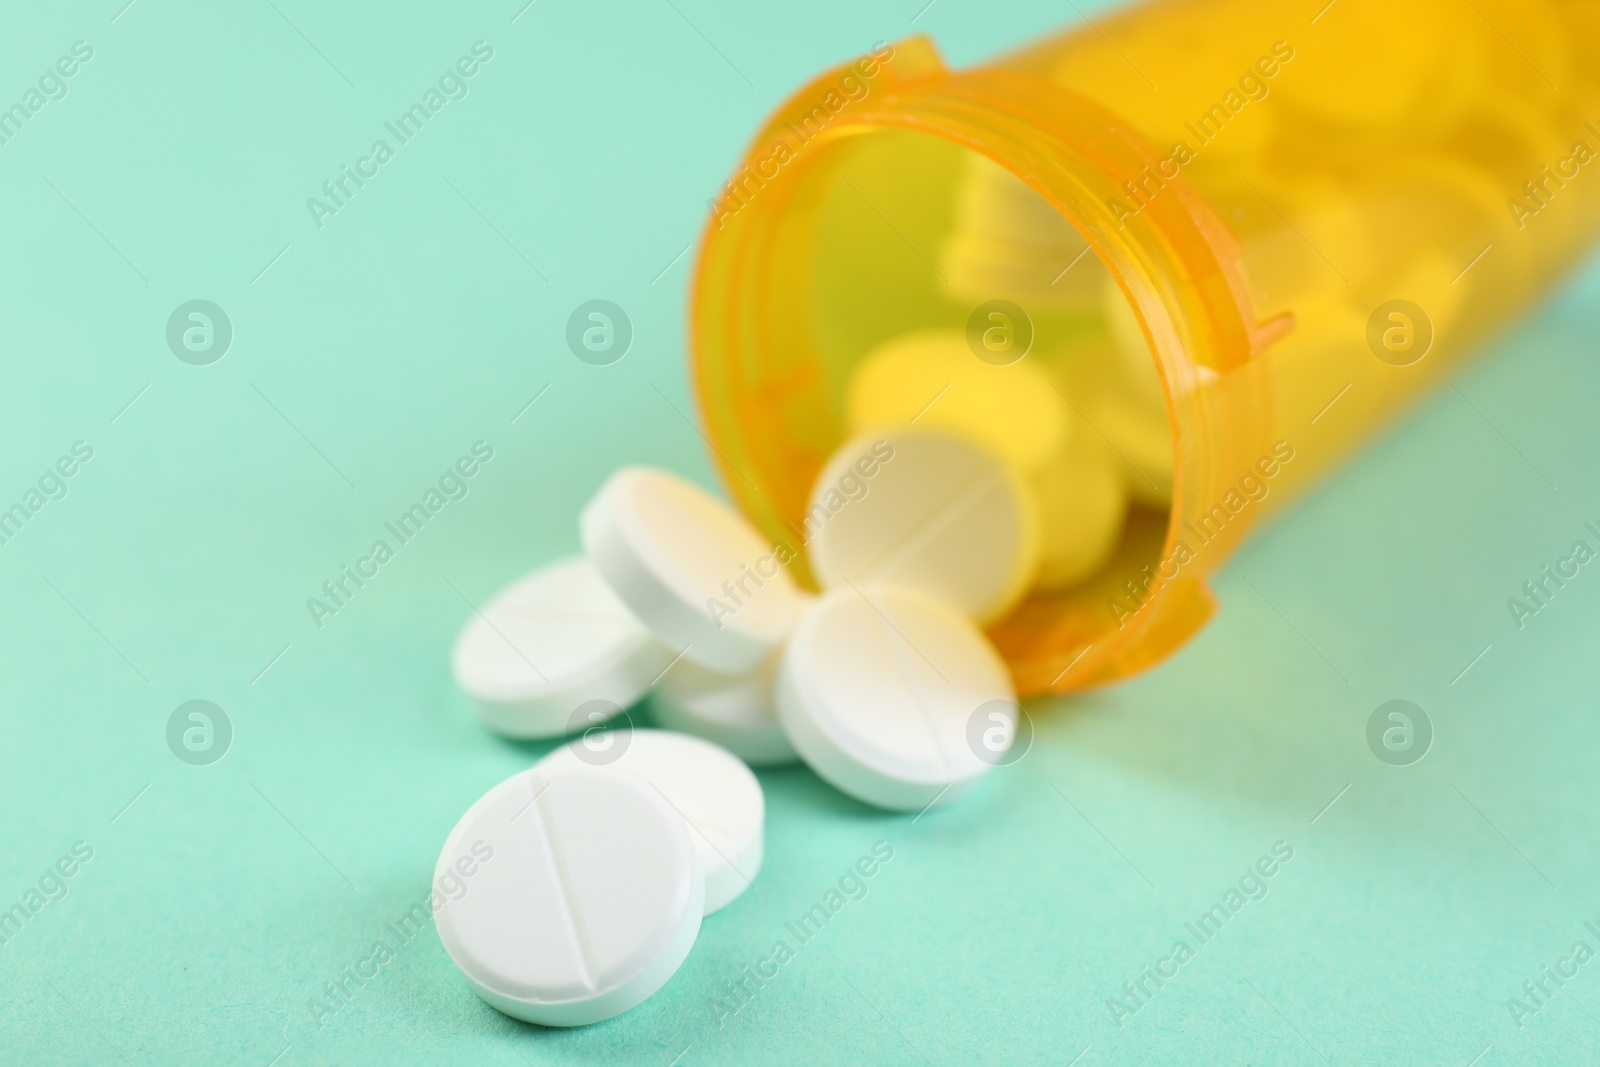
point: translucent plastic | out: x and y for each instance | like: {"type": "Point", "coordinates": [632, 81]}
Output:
{"type": "Point", "coordinates": [1310, 215]}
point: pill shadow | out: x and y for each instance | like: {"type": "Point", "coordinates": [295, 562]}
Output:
{"type": "Point", "coordinates": [533, 749]}
{"type": "Point", "coordinates": [798, 787]}
{"type": "Point", "coordinates": [1188, 730]}
{"type": "Point", "coordinates": [417, 979]}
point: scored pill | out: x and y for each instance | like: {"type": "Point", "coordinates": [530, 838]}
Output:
{"type": "Point", "coordinates": [584, 896]}
{"type": "Point", "coordinates": [941, 515]}
{"type": "Point", "coordinates": [879, 690]}
{"type": "Point", "coordinates": [714, 792]}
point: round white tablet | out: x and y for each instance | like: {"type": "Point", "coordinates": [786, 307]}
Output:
{"type": "Point", "coordinates": [714, 792]}
{"type": "Point", "coordinates": [549, 643]}
{"type": "Point", "coordinates": [736, 711]}
{"type": "Point", "coordinates": [941, 515]}
{"type": "Point", "coordinates": [882, 690]}
{"type": "Point", "coordinates": [693, 571]}
{"type": "Point", "coordinates": [567, 898]}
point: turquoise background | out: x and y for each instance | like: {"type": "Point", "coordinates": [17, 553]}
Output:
{"type": "Point", "coordinates": [373, 352]}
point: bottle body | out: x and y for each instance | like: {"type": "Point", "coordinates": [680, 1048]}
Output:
{"type": "Point", "coordinates": [1381, 152]}
{"type": "Point", "coordinates": [1309, 217]}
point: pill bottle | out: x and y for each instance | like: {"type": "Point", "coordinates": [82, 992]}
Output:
{"type": "Point", "coordinates": [1304, 212]}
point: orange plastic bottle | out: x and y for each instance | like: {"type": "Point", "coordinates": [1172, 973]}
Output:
{"type": "Point", "coordinates": [1311, 212]}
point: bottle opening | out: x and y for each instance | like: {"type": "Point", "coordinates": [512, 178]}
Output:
{"type": "Point", "coordinates": [911, 280]}
{"type": "Point", "coordinates": [951, 295]}
{"type": "Point", "coordinates": [1305, 237]}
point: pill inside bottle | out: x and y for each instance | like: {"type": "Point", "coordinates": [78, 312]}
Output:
{"type": "Point", "coordinates": [1165, 310]}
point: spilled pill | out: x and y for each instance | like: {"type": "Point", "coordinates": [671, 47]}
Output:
{"type": "Point", "coordinates": [549, 643]}
{"type": "Point", "coordinates": [714, 793]}
{"type": "Point", "coordinates": [590, 899]}
{"type": "Point", "coordinates": [878, 689]}
{"type": "Point", "coordinates": [736, 711]}
{"type": "Point", "coordinates": [695, 572]}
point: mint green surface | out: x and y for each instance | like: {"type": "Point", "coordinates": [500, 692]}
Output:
{"type": "Point", "coordinates": [423, 318]}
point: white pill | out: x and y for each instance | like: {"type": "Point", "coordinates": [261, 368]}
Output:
{"type": "Point", "coordinates": [717, 796]}
{"type": "Point", "coordinates": [549, 643]}
{"type": "Point", "coordinates": [941, 515]}
{"type": "Point", "coordinates": [693, 571]}
{"type": "Point", "coordinates": [881, 692]}
{"type": "Point", "coordinates": [736, 711]}
{"type": "Point", "coordinates": [581, 895]}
